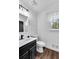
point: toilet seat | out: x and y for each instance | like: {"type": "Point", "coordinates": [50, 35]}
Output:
{"type": "Point", "coordinates": [41, 43]}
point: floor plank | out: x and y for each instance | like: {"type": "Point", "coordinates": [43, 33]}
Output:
{"type": "Point", "coordinates": [48, 54]}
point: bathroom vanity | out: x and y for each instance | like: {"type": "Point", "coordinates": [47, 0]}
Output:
{"type": "Point", "coordinates": [27, 49]}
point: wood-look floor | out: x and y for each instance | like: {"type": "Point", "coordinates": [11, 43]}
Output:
{"type": "Point", "coordinates": [48, 54]}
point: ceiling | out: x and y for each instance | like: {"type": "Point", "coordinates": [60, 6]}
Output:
{"type": "Point", "coordinates": [40, 5]}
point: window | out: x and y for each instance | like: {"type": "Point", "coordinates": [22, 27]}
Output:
{"type": "Point", "coordinates": [54, 21]}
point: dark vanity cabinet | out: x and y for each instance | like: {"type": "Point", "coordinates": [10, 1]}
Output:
{"type": "Point", "coordinates": [28, 51]}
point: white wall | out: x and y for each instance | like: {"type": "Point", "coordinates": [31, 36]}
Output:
{"type": "Point", "coordinates": [33, 24]}
{"type": "Point", "coordinates": [51, 38]}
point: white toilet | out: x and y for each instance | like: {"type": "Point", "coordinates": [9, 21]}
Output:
{"type": "Point", "coordinates": [40, 45]}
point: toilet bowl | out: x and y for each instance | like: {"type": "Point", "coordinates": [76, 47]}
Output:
{"type": "Point", "coordinates": [40, 45]}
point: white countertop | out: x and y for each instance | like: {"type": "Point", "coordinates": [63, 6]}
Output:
{"type": "Point", "coordinates": [25, 41]}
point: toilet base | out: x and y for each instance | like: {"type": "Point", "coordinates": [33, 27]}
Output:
{"type": "Point", "coordinates": [40, 50]}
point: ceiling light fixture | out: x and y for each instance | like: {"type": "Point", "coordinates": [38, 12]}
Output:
{"type": "Point", "coordinates": [24, 11]}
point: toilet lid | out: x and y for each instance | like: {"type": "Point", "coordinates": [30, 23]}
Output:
{"type": "Point", "coordinates": [40, 43]}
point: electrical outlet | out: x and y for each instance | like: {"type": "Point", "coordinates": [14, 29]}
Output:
{"type": "Point", "coordinates": [55, 46]}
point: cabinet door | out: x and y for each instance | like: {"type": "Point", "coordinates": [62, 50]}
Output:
{"type": "Point", "coordinates": [33, 52]}
{"type": "Point", "coordinates": [26, 55]}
